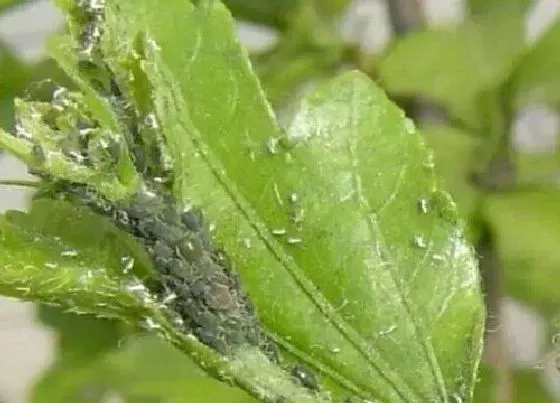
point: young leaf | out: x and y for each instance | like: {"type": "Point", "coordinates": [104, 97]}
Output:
{"type": "Point", "coordinates": [535, 78]}
{"type": "Point", "coordinates": [452, 67]}
{"type": "Point", "coordinates": [350, 251]}
{"type": "Point", "coordinates": [527, 226]}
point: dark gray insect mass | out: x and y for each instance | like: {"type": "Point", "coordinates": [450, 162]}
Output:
{"type": "Point", "coordinates": [210, 300]}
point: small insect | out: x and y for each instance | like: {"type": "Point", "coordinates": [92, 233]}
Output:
{"type": "Point", "coordinates": [305, 377]}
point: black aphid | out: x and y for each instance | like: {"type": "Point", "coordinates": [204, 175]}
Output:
{"type": "Point", "coordinates": [305, 377]}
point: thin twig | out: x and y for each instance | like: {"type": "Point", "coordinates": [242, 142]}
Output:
{"type": "Point", "coordinates": [17, 182]}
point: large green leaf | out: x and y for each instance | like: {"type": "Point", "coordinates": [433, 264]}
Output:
{"type": "Point", "coordinates": [454, 66]}
{"type": "Point", "coordinates": [344, 241]}
{"type": "Point", "coordinates": [535, 78]}
{"type": "Point", "coordinates": [527, 227]}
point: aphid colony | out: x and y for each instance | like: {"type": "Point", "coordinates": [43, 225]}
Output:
{"type": "Point", "coordinates": [207, 296]}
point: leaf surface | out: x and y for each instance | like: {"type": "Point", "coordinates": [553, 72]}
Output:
{"type": "Point", "coordinates": [338, 228]}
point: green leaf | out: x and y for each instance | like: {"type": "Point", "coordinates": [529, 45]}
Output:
{"type": "Point", "coordinates": [79, 271]}
{"type": "Point", "coordinates": [82, 343]}
{"type": "Point", "coordinates": [482, 7]}
{"type": "Point", "coordinates": [280, 13]}
{"type": "Point", "coordinates": [454, 66]}
{"type": "Point", "coordinates": [453, 152]}
{"type": "Point", "coordinates": [535, 79]}
{"type": "Point", "coordinates": [527, 226]}
{"type": "Point", "coordinates": [378, 296]}
{"type": "Point", "coordinates": [14, 74]}
{"type": "Point", "coordinates": [148, 367]}
{"type": "Point", "coordinates": [538, 168]}
{"type": "Point", "coordinates": [6, 5]}
{"type": "Point", "coordinates": [527, 387]}
{"type": "Point", "coordinates": [89, 366]}
{"type": "Point", "coordinates": [276, 13]}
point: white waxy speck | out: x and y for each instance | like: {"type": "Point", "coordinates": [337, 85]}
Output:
{"type": "Point", "coordinates": [151, 324]}
{"type": "Point", "coordinates": [128, 263]}
{"type": "Point", "coordinates": [169, 298]}
{"type": "Point", "coordinates": [69, 253]}
{"type": "Point", "coordinates": [277, 194]}
{"type": "Point", "coordinates": [50, 265]}
{"type": "Point", "coordinates": [429, 163]}
{"type": "Point", "coordinates": [151, 121]}
{"type": "Point", "coordinates": [159, 179]}
{"type": "Point", "coordinates": [423, 205]}
{"type": "Point", "coordinates": [419, 241]}
{"type": "Point", "coordinates": [389, 330]}
{"type": "Point", "coordinates": [409, 126]}
{"type": "Point", "coordinates": [279, 231]}
{"type": "Point", "coordinates": [293, 197]}
{"type": "Point", "coordinates": [294, 240]}
{"type": "Point", "coordinates": [153, 44]}
{"type": "Point", "coordinates": [247, 243]}
{"type": "Point", "coordinates": [22, 133]}
{"type": "Point", "coordinates": [438, 258]}
{"type": "Point", "coordinates": [136, 287]}
{"type": "Point", "coordinates": [96, 5]}
{"type": "Point", "coordinates": [59, 92]}
{"type": "Point", "coordinates": [272, 145]}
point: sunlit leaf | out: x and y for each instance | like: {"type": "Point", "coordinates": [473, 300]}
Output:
{"type": "Point", "coordinates": [316, 228]}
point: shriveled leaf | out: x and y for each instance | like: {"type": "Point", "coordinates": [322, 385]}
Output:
{"type": "Point", "coordinates": [454, 66]}
{"type": "Point", "coordinates": [535, 78]}
{"type": "Point", "coordinates": [527, 227]}
{"type": "Point", "coordinates": [344, 241]}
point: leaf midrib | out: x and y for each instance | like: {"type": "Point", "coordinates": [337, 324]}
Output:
{"type": "Point", "coordinates": [377, 362]}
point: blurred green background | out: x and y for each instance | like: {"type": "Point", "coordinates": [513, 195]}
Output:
{"type": "Point", "coordinates": [481, 78]}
